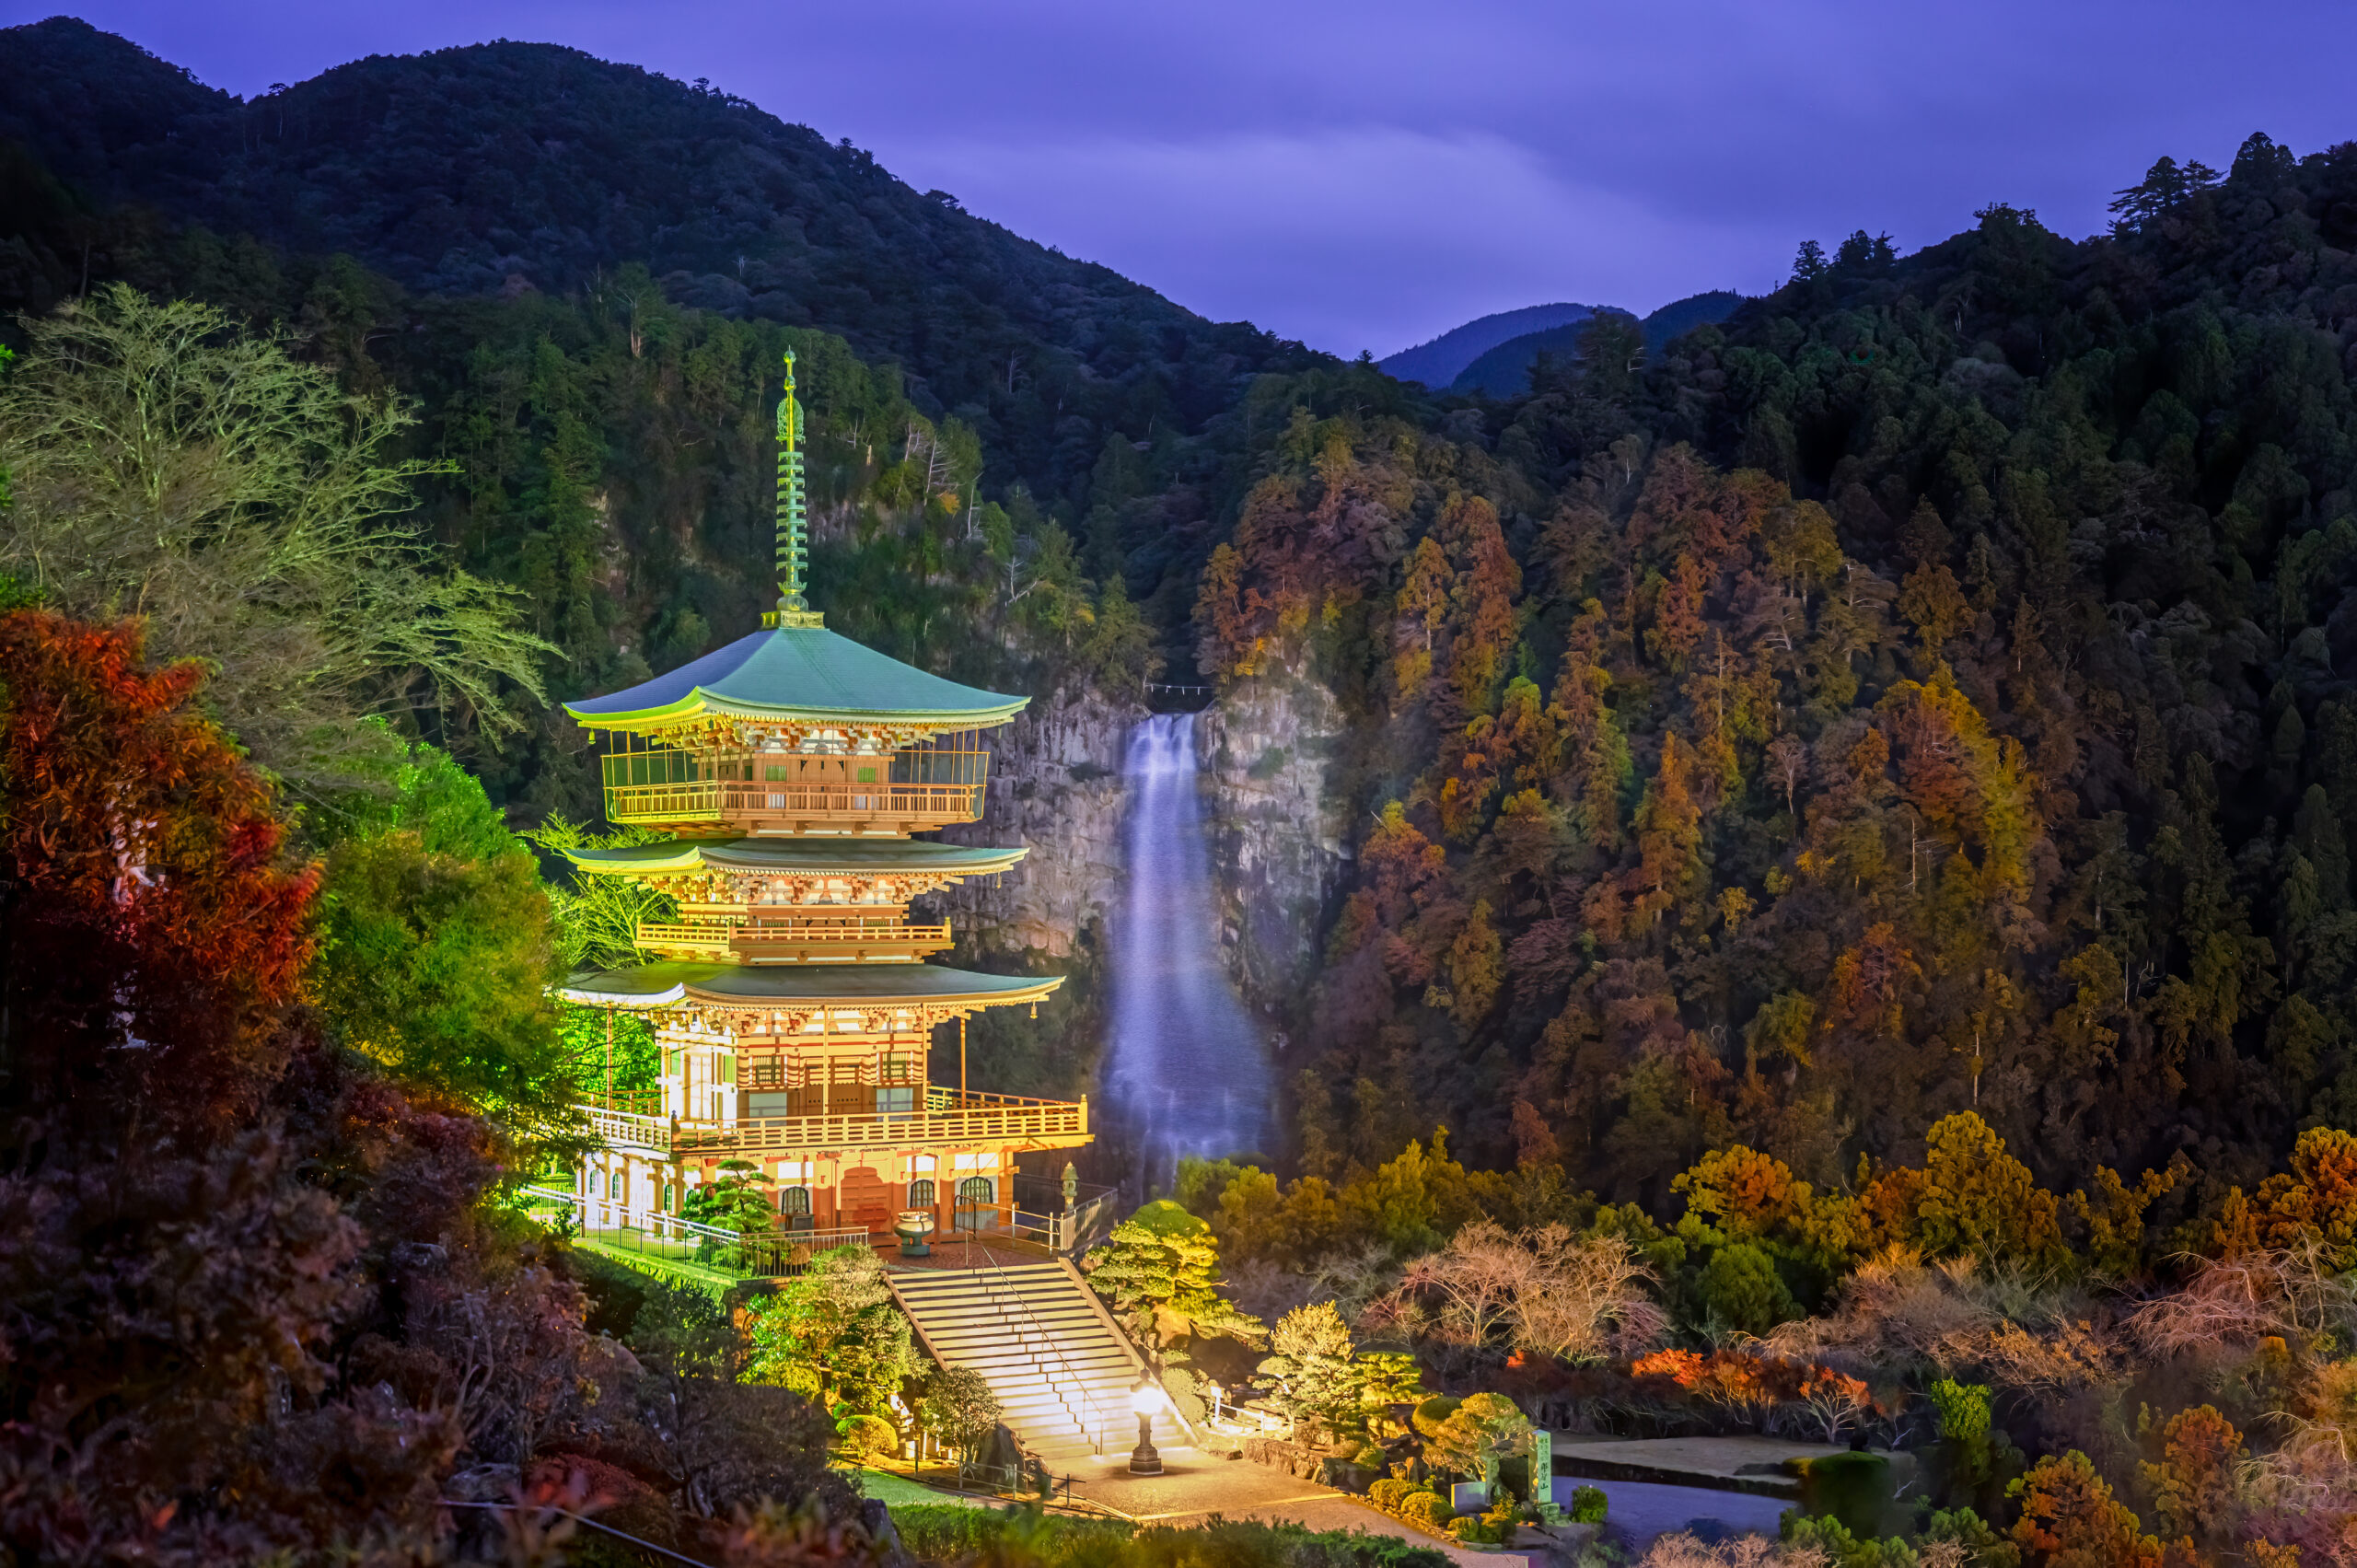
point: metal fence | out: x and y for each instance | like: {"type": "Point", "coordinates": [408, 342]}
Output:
{"type": "Point", "coordinates": [745, 1255]}
{"type": "Point", "coordinates": [1042, 1214]}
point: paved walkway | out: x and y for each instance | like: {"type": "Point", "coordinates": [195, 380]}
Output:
{"type": "Point", "coordinates": [1194, 1486]}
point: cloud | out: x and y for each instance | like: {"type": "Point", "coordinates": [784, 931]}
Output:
{"type": "Point", "coordinates": [1347, 238]}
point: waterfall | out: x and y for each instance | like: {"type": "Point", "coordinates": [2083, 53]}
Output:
{"type": "Point", "coordinates": [1188, 1071]}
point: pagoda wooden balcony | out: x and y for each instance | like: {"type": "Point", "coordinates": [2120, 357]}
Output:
{"type": "Point", "coordinates": [755, 807]}
{"type": "Point", "coordinates": [629, 1129]}
{"type": "Point", "coordinates": [949, 1119]}
{"type": "Point", "coordinates": [799, 939]}
{"type": "Point", "coordinates": [907, 791]}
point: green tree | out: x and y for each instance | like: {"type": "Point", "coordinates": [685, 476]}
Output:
{"type": "Point", "coordinates": [1742, 1289]}
{"type": "Point", "coordinates": [168, 464]}
{"type": "Point", "coordinates": [1160, 1271]}
{"type": "Point", "coordinates": [832, 1333]}
{"type": "Point", "coordinates": [959, 1409]}
{"type": "Point", "coordinates": [437, 947]}
{"type": "Point", "coordinates": [1977, 1199]}
{"type": "Point", "coordinates": [1484, 1427]}
{"type": "Point", "coordinates": [598, 917]}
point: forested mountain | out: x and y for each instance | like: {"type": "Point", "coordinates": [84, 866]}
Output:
{"type": "Point", "coordinates": [586, 272]}
{"type": "Point", "coordinates": [1929, 691]}
{"type": "Point", "coordinates": [1837, 907]}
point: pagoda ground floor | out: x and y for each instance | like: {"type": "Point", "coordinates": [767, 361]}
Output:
{"type": "Point", "coordinates": [642, 1207]}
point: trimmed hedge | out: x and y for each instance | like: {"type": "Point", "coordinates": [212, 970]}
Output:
{"type": "Point", "coordinates": [1854, 1488]}
{"type": "Point", "coordinates": [1433, 1412]}
{"type": "Point", "coordinates": [1428, 1509]}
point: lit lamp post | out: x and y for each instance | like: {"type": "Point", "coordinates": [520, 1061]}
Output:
{"type": "Point", "coordinates": [1148, 1400]}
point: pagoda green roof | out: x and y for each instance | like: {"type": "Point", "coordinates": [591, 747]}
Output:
{"type": "Point", "coordinates": [800, 674]}
{"type": "Point", "coordinates": [670, 984]}
{"type": "Point", "coordinates": [823, 857]}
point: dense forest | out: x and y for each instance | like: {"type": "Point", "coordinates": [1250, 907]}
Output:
{"type": "Point", "coordinates": [1922, 693]}
{"type": "Point", "coordinates": [1848, 915]}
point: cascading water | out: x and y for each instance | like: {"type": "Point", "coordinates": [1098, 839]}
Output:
{"type": "Point", "coordinates": [1188, 1071]}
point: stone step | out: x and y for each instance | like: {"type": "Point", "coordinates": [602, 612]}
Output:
{"type": "Point", "coordinates": [1062, 1375]}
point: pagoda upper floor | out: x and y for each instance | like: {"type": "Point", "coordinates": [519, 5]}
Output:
{"type": "Point", "coordinates": [795, 899]}
{"type": "Point", "coordinates": [795, 731]}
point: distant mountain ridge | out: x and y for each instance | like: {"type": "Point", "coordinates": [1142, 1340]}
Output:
{"type": "Point", "coordinates": [1493, 354]}
{"type": "Point", "coordinates": [1504, 371]}
{"type": "Point", "coordinates": [1443, 359]}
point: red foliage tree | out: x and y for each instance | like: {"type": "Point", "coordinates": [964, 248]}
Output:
{"type": "Point", "coordinates": [154, 932]}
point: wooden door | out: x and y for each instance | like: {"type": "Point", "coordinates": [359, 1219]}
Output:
{"type": "Point", "coordinates": [863, 1199]}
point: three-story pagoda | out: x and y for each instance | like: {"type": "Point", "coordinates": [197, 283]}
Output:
{"type": "Point", "coordinates": [792, 1004]}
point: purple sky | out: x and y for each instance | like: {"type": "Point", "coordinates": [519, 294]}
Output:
{"type": "Point", "coordinates": [1365, 175]}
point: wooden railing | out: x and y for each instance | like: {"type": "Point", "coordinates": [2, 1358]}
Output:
{"type": "Point", "coordinates": [830, 932]}
{"type": "Point", "coordinates": [623, 1129]}
{"type": "Point", "coordinates": [938, 1098]}
{"type": "Point", "coordinates": [947, 1118]}
{"type": "Point", "coordinates": [975, 1124]}
{"type": "Point", "coordinates": [706, 800]}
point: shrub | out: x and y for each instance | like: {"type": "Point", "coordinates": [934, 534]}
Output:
{"type": "Point", "coordinates": [1244, 1543]}
{"type": "Point", "coordinates": [870, 1437]}
{"type": "Point", "coordinates": [1742, 1289]}
{"type": "Point", "coordinates": [1587, 1505]}
{"type": "Point", "coordinates": [1854, 1487]}
{"type": "Point", "coordinates": [1433, 1412]}
{"type": "Point", "coordinates": [1472, 1529]}
{"type": "Point", "coordinates": [1429, 1509]}
{"type": "Point", "coordinates": [1389, 1492]}
{"type": "Point", "coordinates": [1372, 1456]}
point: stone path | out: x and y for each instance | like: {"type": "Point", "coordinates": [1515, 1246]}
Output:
{"type": "Point", "coordinates": [1194, 1486]}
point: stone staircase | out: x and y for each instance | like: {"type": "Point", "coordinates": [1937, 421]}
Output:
{"type": "Point", "coordinates": [1061, 1370]}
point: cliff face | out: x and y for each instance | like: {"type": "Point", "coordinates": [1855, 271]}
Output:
{"type": "Point", "coordinates": [1056, 786]}
{"type": "Point", "coordinates": [1276, 840]}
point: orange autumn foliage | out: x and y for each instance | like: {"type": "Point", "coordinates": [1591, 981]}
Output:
{"type": "Point", "coordinates": [2070, 1519]}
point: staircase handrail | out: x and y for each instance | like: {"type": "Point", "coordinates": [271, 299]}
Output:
{"type": "Point", "coordinates": [1120, 1337]}
{"type": "Point", "coordinates": [1024, 1338]}
{"type": "Point", "coordinates": [1096, 1438]}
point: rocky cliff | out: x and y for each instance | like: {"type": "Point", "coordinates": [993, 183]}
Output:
{"type": "Point", "coordinates": [1055, 785]}
{"type": "Point", "coordinates": [1277, 840]}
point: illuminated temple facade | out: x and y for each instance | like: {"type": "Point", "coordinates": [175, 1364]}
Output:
{"type": "Point", "coordinates": [791, 772]}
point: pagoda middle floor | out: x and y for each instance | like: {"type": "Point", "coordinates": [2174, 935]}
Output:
{"type": "Point", "coordinates": [810, 1082]}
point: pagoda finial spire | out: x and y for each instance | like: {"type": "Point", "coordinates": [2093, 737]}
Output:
{"type": "Point", "coordinates": [792, 518]}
